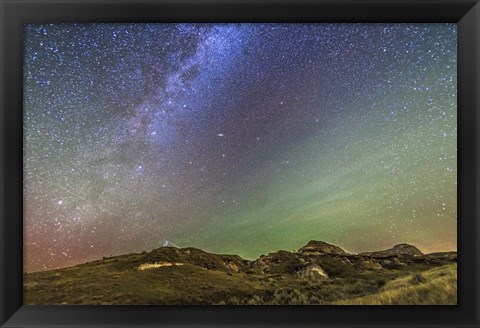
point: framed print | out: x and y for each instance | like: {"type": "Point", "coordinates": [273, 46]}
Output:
{"type": "Point", "coordinates": [266, 163]}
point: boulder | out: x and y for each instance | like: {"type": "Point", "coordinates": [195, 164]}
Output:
{"type": "Point", "coordinates": [231, 265]}
{"type": "Point", "coordinates": [312, 271]}
{"type": "Point", "coordinates": [260, 266]}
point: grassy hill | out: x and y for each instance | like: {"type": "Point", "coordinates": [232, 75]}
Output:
{"type": "Point", "coordinates": [434, 286]}
{"type": "Point", "coordinates": [316, 274]}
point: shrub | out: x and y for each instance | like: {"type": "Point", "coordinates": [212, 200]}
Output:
{"type": "Point", "coordinates": [380, 282]}
{"type": "Point", "coordinates": [255, 300]}
{"type": "Point", "coordinates": [417, 279]}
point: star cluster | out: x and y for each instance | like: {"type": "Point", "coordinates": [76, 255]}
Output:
{"type": "Point", "coordinates": [237, 138]}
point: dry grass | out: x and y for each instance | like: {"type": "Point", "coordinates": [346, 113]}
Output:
{"type": "Point", "coordinates": [433, 287]}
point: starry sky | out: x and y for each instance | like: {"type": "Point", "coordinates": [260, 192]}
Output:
{"type": "Point", "coordinates": [237, 138]}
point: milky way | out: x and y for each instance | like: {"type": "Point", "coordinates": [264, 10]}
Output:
{"type": "Point", "coordinates": [237, 138]}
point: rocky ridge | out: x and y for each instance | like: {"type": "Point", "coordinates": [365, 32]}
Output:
{"type": "Point", "coordinates": [316, 260]}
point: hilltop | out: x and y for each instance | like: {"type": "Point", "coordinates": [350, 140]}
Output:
{"type": "Point", "coordinates": [318, 273]}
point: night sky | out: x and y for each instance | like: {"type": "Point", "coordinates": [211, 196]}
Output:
{"type": "Point", "coordinates": [237, 138]}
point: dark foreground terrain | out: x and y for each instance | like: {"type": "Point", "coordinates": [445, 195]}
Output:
{"type": "Point", "coordinates": [318, 273]}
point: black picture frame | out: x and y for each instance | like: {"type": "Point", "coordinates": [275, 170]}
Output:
{"type": "Point", "coordinates": [14, 13]}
